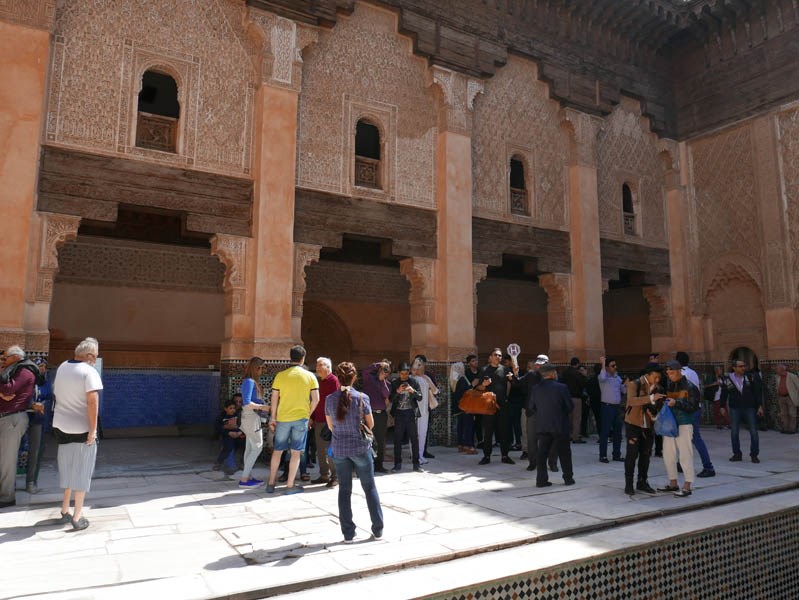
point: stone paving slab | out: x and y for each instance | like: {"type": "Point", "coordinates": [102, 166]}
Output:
{"type": "Point", "coordinates": [194, 534]}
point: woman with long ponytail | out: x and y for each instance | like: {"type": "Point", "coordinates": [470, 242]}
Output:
{"type": "Point", "coordinates": [344, 412]}
{"type": "Point", "coordinates": [251, 404]}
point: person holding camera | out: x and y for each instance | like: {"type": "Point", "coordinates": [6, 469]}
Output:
{"type": "Point", "coordinates": [405, 398]}
{"type": "Point", "coordinates": [377, 385]}
{"type": "Point", "coordinates": [643, 399]}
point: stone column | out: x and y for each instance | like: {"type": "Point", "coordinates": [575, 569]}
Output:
{"type": "Point", "coordinates": [271, 255]}
{"type": "Point", "coordinates": [454, 334]}
{"type": "Point", "coordinates": [560, 315]}
{"type": "Point", "coordinates": [425, 318]}
{"type": "Point", "coordinates": [778, 301]}
{"type": "Point", "coordinates": [24, 46]}
{"type": "Point", "coordinates": [304, 255]}
{"type": "Point", "coordinates": [586, 276]}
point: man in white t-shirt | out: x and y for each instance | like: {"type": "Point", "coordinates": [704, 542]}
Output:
{"type": "Point", "coordinates": [76, 389]}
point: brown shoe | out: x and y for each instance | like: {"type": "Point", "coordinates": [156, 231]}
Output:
{"type": "Point", "coordinates": [320, 479]}
{"type": "Point", "coordinates": [332, 483]}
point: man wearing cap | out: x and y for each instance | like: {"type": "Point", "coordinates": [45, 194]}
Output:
{"type": "Point", "coordinates": [17, 381]}
{"type": "Point", "coordinates": [551, 404]}
{"type": "Point", "coordinates": [610, 384]}
{"type": "Point", "coordinates": [528, 382]}
{"type": "Point", "coordinates": [683, 400]}
{"type": "Point", "coordinates": [405, 398]}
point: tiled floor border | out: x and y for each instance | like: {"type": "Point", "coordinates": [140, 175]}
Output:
{"type": "Point", "coordinates": [754, 558]}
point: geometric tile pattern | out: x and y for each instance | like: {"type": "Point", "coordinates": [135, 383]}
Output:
{"type": "Point", "coordinates": [755, 558]}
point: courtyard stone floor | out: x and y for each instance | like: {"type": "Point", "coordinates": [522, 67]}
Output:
{"type": "Point", "coordinates": [164, 524]}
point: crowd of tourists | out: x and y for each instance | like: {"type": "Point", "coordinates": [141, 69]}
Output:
{"type": "Point", "coordinates": [340, 421]}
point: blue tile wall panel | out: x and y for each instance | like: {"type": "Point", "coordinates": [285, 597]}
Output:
{"type": "Point", "coordinates": [158, 398]}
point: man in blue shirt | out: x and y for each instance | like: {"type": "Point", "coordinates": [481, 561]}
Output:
{"type": "Point", "coordinates": [610, 385]}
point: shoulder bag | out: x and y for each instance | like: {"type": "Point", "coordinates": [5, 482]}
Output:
{"type": "Point", "coordinates": [475, 402]}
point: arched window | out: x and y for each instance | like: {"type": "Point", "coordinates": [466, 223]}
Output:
{"type": "Point", "coordinates": [159, 113]}
{"type": "Point", "coordinates": [628, 208]}
{"type": "Point", "coordinates": [519, 200]}
{"type": "Point", "coordinates": [367, 155]}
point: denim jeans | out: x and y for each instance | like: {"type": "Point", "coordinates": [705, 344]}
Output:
{"type": "Point", "coordinates": [610, 421]}
{"type": "Point", "coordinates": [365, 468]}
{"type": "Point", "coordinates": [699, 443]}
{"type": "Point", "coordinates": [750, 416]}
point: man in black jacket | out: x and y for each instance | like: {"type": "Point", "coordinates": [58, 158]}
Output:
{"type": "Point", "coordinates": [552, 404]}
{"type": "Point", "coordinates": [743, 394]}
{"type": "Point", "coordinates": [405, 396]}
{"type": "Point", "coordinates": [574, 379]}
{"type": "Point", "coordinates": [495, 378]}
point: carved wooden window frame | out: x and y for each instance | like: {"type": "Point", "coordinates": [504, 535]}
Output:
{"type": "Point", "coordinates": [185, 70]}
{"type": "Point", "coordinates": [634, 183]}
{"type": "Point", "coordinates": [525, 163]}
{"type": "Point", "coordinates": [527, 157]}
{"type": "Point", "coordinates": [384, 118]}
{"type": "Point", "coordinates": [161, 68]}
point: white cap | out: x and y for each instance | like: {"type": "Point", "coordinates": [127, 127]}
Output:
{"type": "Point", "coordinates": [541, 359]}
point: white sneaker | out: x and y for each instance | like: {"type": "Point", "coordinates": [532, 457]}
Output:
{"type": "Point", "coordinates": [423, 461]}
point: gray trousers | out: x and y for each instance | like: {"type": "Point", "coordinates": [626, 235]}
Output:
{"type": "Point", "coordinates": [12, 428]}
{"type": "Point", "coordinates": [326, 466]}
{"type": "Point", "coordinates": [35, 447]}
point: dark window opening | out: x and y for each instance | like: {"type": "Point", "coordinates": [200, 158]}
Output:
{"type": "Point", "coordinates": [519, 201]}
{"type": "Point", "coordinates": [158, 113]}
{"type": "Point", "coordinates": [517, 174]}
{"type": "Point", "coordinates": [628, 209]}
{"type": "Point", "coordinates": [367, 155]}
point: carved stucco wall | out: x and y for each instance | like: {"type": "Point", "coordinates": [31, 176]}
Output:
{"type": "Point", "coordinates": [33, 13]}
{"type": "Point", "coordinates": [363, 68]}
{"type": "Point", "coordinates": [627, 152]}
{"type": "Point", "coordinates": [789, 154]}
{"type": "Point", "coordinates": [726, 237]}
{"type": "Point", "coordinates": [102, 47]}
{"type": "Point", "coordinates": [514, 115]}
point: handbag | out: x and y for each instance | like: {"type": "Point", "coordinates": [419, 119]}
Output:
{"type": "Point", "coordinates": [326, 434]}
{"type": "Point", "coordinates": [475, 402]}
{"type": "Point", "coordinates": [367, 435]}
{"type": "Point", "coordinates": [666, 424]}
{"type": "Point", "coordinates": [432, 401]}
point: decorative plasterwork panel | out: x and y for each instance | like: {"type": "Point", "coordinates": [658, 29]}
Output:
{"type": "Point", "coordinates": [458, 93]}
{"type": "Point", "coordinates": [363, 61]}
{"type": "Point", "coordinates": [101, 50]}
{"type": "Point", "coordinates": [375, 284]}
{"type": "Point", "coordinates": [114, 262]}
{"type": "Point", "coordinates": [420, 273]}
{"type": "Point", "coordinates": [304, 256]}
{"type": "Point", "coordinates": [33, 13]}
{"type": "Point", "coordinates": [789, 157]}
{"type": "Point", "coordinates": [284, 41]}
{"type": "Point", "coordinates": [627, 152]}
{"type": "Point", "coordinates": [661, 323]}
{"type": "Point", "coordinates": [559, 307]}
{"type": "Point", "coordinates": [514, 111]}
{"type": "Point", "coordinates": [232, 252]}
{"type": "Point", "coordinates": [727, 219]}
{"type": "Point", "coordinates": [56, 231]}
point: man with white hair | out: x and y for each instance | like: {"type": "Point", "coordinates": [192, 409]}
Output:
{"type": "Point", "coordinates": [77, 391]}
{"type": "Point", "coordinates": [328, 383]}
{"type": "Point", "coordinates": [17, 382]}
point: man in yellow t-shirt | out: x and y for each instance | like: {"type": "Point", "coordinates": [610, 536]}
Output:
{"type": "Point", "coordinates": [295, 394]}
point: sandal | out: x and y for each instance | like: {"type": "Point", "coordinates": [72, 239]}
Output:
{"type": "Point", "coordinates": [682, 493]}
{"type": "Point", "coordinates": [669, 488]}
{"type": "Point", "coordinates": [80, 524]}
{"type": "Point", "coordinates": [65, 518]}
{"type": "Point", "coordinates": [305, 477]}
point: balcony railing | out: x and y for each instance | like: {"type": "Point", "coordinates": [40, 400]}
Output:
{"type": "Point", "coordinates": [157, 132]}
{"type": "Point", "coordinates": [519, 204]}
{"type": "Point", "coordinates": [367, 172]}
{"type": "Point", "coordinates": [629, 224]}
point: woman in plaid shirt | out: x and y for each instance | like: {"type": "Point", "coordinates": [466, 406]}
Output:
{"type": "Point", "coordinates": [344, 410]}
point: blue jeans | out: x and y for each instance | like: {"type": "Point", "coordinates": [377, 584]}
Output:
{"type": "Point", "coordinates": [611, 420]}
{"type": "Point", "coordinates": [466, 430]}
{"type": "Point", "coordinates": [750, 416]}
{"type": "Point", "coordinates": [365, 467]}
{"type": "Point", "coordinates": [699, 443]}
{"type": "Point", "coordinates": [291, 435]}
